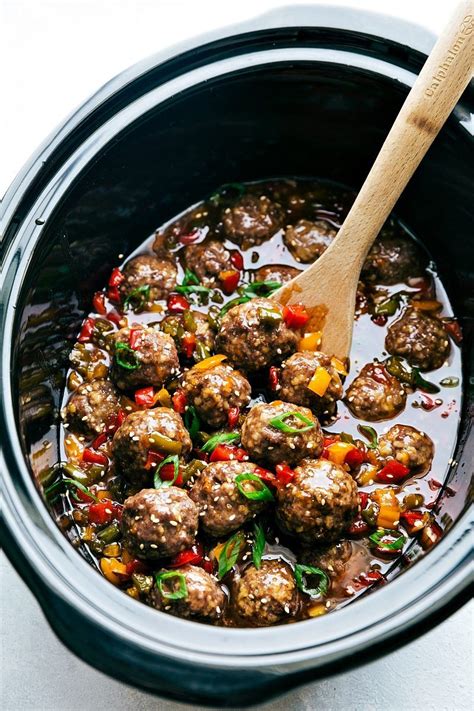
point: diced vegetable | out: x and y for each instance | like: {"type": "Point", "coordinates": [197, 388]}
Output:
{"type": "Point", "coordinates": [188, 344]}
{"type": "Point", "coordinates": [192, 556]}
{"type": "Point", "coordinates": [163, 398]}
{"type": "Point", "coordinates": [167, 475]}
{"type": "Point", "coordinates": [116, 277]}
{"type": "Point", "coordinates": [426, 305]}
{"type": "Point", "coordinates": [177, 303]}
{"type": "Point", "coordinates": [229, 280]}
{"type": "Point", "coordinates": [137, 298]}
{"type": "Point", "coordinates": [92, 457]}
{"type": "Point", "coordinates": [389, 508]}
{"type": "Point", "coordinates": [210, 362]}
{"type": "Point", "coordinates": [113, 570]}
{"type": "Point", "coordinates": [387, 541]}
{"type": "Point", "coordinates": [338, 451]}
{"type": "Point", "coordinates": [145, 397]}
{"type": "Point", "coordinates": [285, 474]}
{"type": "Point", "coordinates": [393, 472]}
{"type": "Point", "coordinates": [98, 303]}
{"type": "Point", "coordinates": [125, 356]}
{"type": "Point", "coordinates": [233, 417]}
{"type": "Point", "coordinates": [295, 316]}
{"type": "Point", "coordinates": [273, 378]}
{"type": "Point", "coordinates": [220, 438]}
{"type": "Point", "coordinates": [310, 341]}
{"type": "Point", "coordinates": [237, 260]}
{"type": "Point", "coordinates": [179, 401]}
{"type": "Point", "coordinates": [164, 444]}
{"type": "Point", "coordinates": [86, 331]}
{"type": "Point", "coordinates": [280, 424]}
{"type": "Point", "coordinates": [370, 434]}
{"type": "Point", "coordinates": [338, 366]}
{"type": "Point", "coordinates": [226, 453]}
{"type": "Point", "coordinates": [354, 458]}
{"type": "Point", "coordinates": [319, 383]}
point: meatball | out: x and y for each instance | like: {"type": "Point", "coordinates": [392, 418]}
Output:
{"type": "Point", "coordinates": [392, 259]}
{"type": "Point", "coordinates": [157, 523]}
{"type": "Point", "coordinates": [420, 338]}
{"type": "Point", "coordinates": [145, 270]}
{"type": "Point", "coordinates": [223, 508]}
{"type": "Point", "coordinates": [207, 260]}
{"type": "Point", "coordinates": [276, 272]}
{"type": "Point", "coordinates": [296, 374]}
{"type": "Point", "coordinates": [152, 361]}
{"type": "Point", "coordinates": [266, 595]}
{"type": "Point", "coordinates": [204, 598]}
{"type": "Point", "coordinates": [214, 391]}
{"type": "Point", "coordinates": [254, 335]}
{"type": "Point", "coordinates": [131, 443]}
{"type": "Point", "coordinates": [265, 442]}
{"type": "Point", "coordinates": [408, 446]}
{"type": "Point", "coordinates": [375, 394]}
{"type": "Point", "coordinates": [319, 503]}
{"type": "Point", "coordinates": [91, 406]}
{"type": "Point", "coordinates": [308, 240]}
{"type": "Point", "coordinates": [252, 220]}
{"type": "Point", "coordinates": [181, 327]}
{"type": "Point", "coordinates": [332, 559]}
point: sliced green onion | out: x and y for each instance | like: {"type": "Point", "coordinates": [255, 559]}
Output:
{"type": "Point", "coordinates": [302, 570]}
{"type": "Point", "coordinates": [69, 482]}
{"type": "Point", "coordinates": [230, 554]}
{"type": "Point", "coordinates": [450, 382]}
{"type": "Point", "coordinates": [192, 289]}
{"type": "Point", "coordinates": [138, 297]}
{"type": "Point", "coordinates": [201, 352]}
{"type": "Point", "coordinates": [219, 438]}
{"type": "Point", "coordinates": [260, 288]}
{"type": "Point", "coordinates": [189, 278]}
{"type": "Point", "coordinates": [270, 316]}
{"type": "Point", "coordinates": [237, 188]}
{"type": "Point", "coordinates": [280, 424]}
{"type": "Point", "coordinates": [258, 544]}
{"type": "Point", "coordinates": [395, 544]}
{"type": "Point", "coordinates": [126, 357]}
{"type": "Point", "coordinates": [262, 493]}
{"type": "Point", "coordinates": [420, 382]}
{"type": "Point", "coordinates": [191, 421]}
{"type": "Point", "coordinates": [189, 322]}
{"type": "Point", "coordinates": [370, 434]}
{"type": "Point", "coordinates": [158, 482]}
{"type": "Point", "coordinates": [230, 304]}
{"type": "Point", "coordinates": [180, 593]}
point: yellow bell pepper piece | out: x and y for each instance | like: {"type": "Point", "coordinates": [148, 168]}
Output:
{"type": "Point", "coordinates": [74, 448]}
{"type": "Point", "coordinates": [338, 365]}
{"type": "Point", "coordinates": [428, 305]}
{"type": "Point", "coordinates": [133, 592]}
{"type": "Point", "coordinates": [310, 341]}
{"type": "Point", "coordinates": [217, 550]}
{"type": "Point", "coordinates": [319, 383]}
{"type": "Point", "coordinates": [210, 362]}
{"type": "Point", "coordinates": [163, 397]}
{"type": "Point", "coordinates": [389, 512]}
{"type": "Point", "coordinates": [337, 451]}
{"type": "Point", "coordinates": [112, 570]}
{"type": "Point", "coordinates": [104, 494]}
{"type": "Point", "coordinates": [367, 475]}
{"type": "Point", "coordinates": [112, 550]}
{"type": "Point", "coordinates": [317, 610]}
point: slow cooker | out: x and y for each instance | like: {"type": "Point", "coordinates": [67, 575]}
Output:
{"type": "Point", "coordinates": [303, 91]}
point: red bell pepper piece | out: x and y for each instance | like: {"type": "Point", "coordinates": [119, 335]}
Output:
{"type": "Point", "coordinates": [326, 442]}
{"type": "Point", "coordinates": [153, 459]}
{"type": "Point", "coordinates": [358, 527]}
{"type": "Point", "coordinates": [99, 440]}
{"type": "Point", "coordinates": [354, 458]}
{"type": "Point", "coordinates": [454, 330]}
{"type": "Point", "coordinates": [363, 499]}
{"type": "Point", "coordinates": [392, 473]}
{"type": "Point", "coordinates": [227, 452]}
{"type": "Point", "coordinates": [237, 260]}
{"type": "Point", "coordinates": [167, 474]}
{"type": "Point", "coordinates": [98, 303]}
{"type": "Point", "coordinates": [273, 377]}
{"type": "Point", "coordinates": [83, 496]}
{"type": "Point", "coordinates": [229, 280]}
{"type": "Point", "coordinates": [86, 330]}
{"type": "Point", "coordinates": [101, 512]}
{"type": "Point", "coordinates": [145, 397]}
{"type": "Point", "coordinates": [208, 565]}
{"type": "Point", "coordinates": [177, 303]}
{"type": "Point", "coordinates": [190, 237]}
{"type": "Point", "coordinates": [266, 476]}
{"type": "Point", "coordinates": [116, 277]}
{"type": "Point", "coordinates": [91, 457]}
{"type": "Point", "coordinates": [192, 556]}
{"type": "Point", "coordinates": [115, 317]}
{"type": "Point", "coordinates": [379, 319]}
{"type": "Point", "coordinates": [188, 344]}
{"type": "Point", "coordinates": [134, 337]}
{"type": "Point", "coordinates": [379, 374]}
{"type": "Point", "coordinates": [285, 474]}
{"type": "Point", "coordinates": [179, 401]}
{"type": "Point", "coordinates": [233, 417]}
{"type": "Point", "coordinates": [295, 316]}
{"type": "Point", "coordinates": [136, 566]}
{"type": "Point", "coordinates": [113, 294]}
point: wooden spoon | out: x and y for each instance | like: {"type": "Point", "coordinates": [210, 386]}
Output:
{"type": "Point", "coordinates": [328, 287]}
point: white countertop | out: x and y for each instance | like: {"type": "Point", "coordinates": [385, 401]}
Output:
{"type": "Point", "coordinates": [55, 53]}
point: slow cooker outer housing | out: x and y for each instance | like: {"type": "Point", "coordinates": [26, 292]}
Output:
{"type": "Point", "coordinates": [302, 91]}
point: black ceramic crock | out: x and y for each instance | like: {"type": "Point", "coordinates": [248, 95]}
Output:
{"type": "Point", "coordinates": [304, 91]}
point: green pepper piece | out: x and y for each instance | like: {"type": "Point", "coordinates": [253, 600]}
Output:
{"type": "Point", "coordinates": [164, 444]}
{"type": "Point", "coordinates": [189, 322]}
{"type": "Point", "coordinates": [110, 534]}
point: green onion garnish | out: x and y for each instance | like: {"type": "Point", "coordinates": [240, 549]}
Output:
{"type": "Point", "coordinates": [411, 377]}
{"type": "Point", "coordinates": [260, 288]}
{"type": "Point", "coordinates": [189, 278]}
{"type": "Point", "coordinates": [236, 190]}
{"type": "Point", "coordinates": [395, 544]}
{"type": "Point", "coordinates": [158, 482]}
{"type": "Point", "coordinates": [192, 289]}
{"type": "Point", "coordinates": [229, 554]}
{"type": "Point", "coordinates": [450, 382]}
{"type": "Point", "coordinates": [302, 570]}
{"type": "Point", "coordinates": [69, 482]}
{"type": "Point", "coordinates": [230, 304]}
{"type": "Point", "coordinates": [370, 434]}
{"type": "Point", "coordinates": [219, 438]}
{"type": "Point", "coordinates": [258, 544]}
{"type": "Point", "coordinates": [138, 297]}
{"type": "Point", "coordinates": [125, 356]}
{"type": "Point", "coordinates": [191, 421]}
{"type": "Point", "coordinates": [261, 493]}
{"type": "Point", "coordinates": [419, 381]}
{"type": "Point", "coordinates": [180, 593]}
{"type": "Point", "coordinates": [270, 316]}
{"type": "Point", "coordinates": [280, 424]}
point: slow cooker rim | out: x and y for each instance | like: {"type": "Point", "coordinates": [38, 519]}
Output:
{"type": "Point", "coordinates": [50, 521]}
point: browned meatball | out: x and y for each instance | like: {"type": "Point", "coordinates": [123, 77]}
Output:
{"type": "Point", "coordinates": [204, 598]}
{"type": "Point", "coordinates": [308, 240]}
{"type": "Point", "coordinates": [266, 595]}
{"type": "Point", "coordinates": [92, 406]}
{"type": "Point", "coordinates": [332, 559]}
{"type": "Point", "coordinates": [420, 338]}
{"type": "Point", "coordinates": [276, 272]}
{"type": "Point", "coordinates": [408, 446]}
{"type": "Point", "coordinates": [319, 503]}
{"type": "Point", "coordinates": [152, 361]}
{"type": "Point", "coordinates": [157, 523]}
{"type": "Point", "coordinates": [392, 259]}
{"type": "Point", "coordinates": [214, 391]}
{"type": "Point", "coordinates": [252, 220]}
{"type": "Point", "coordinates": [375, 394]}
{"type": "Point", "coordinates": [131, 443]}
{"type": "Point", "coordinates": [223, 508]}
{"type": "Point", "coordinates": [266, 443]}
{"type": "Point", "coordinates": [184, 325]}
{"type": "Point", "coordinates": [296, 374]}
{"type": "Point", "coordinates": [207, 260]}
{"type": "Point", "coordinates": [254, 335]}
{"type": "Point", "coordinates": [145, 270]}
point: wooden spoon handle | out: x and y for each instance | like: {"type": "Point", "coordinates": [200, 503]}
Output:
{"type": "Point", "coordinates": [444, 76]}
